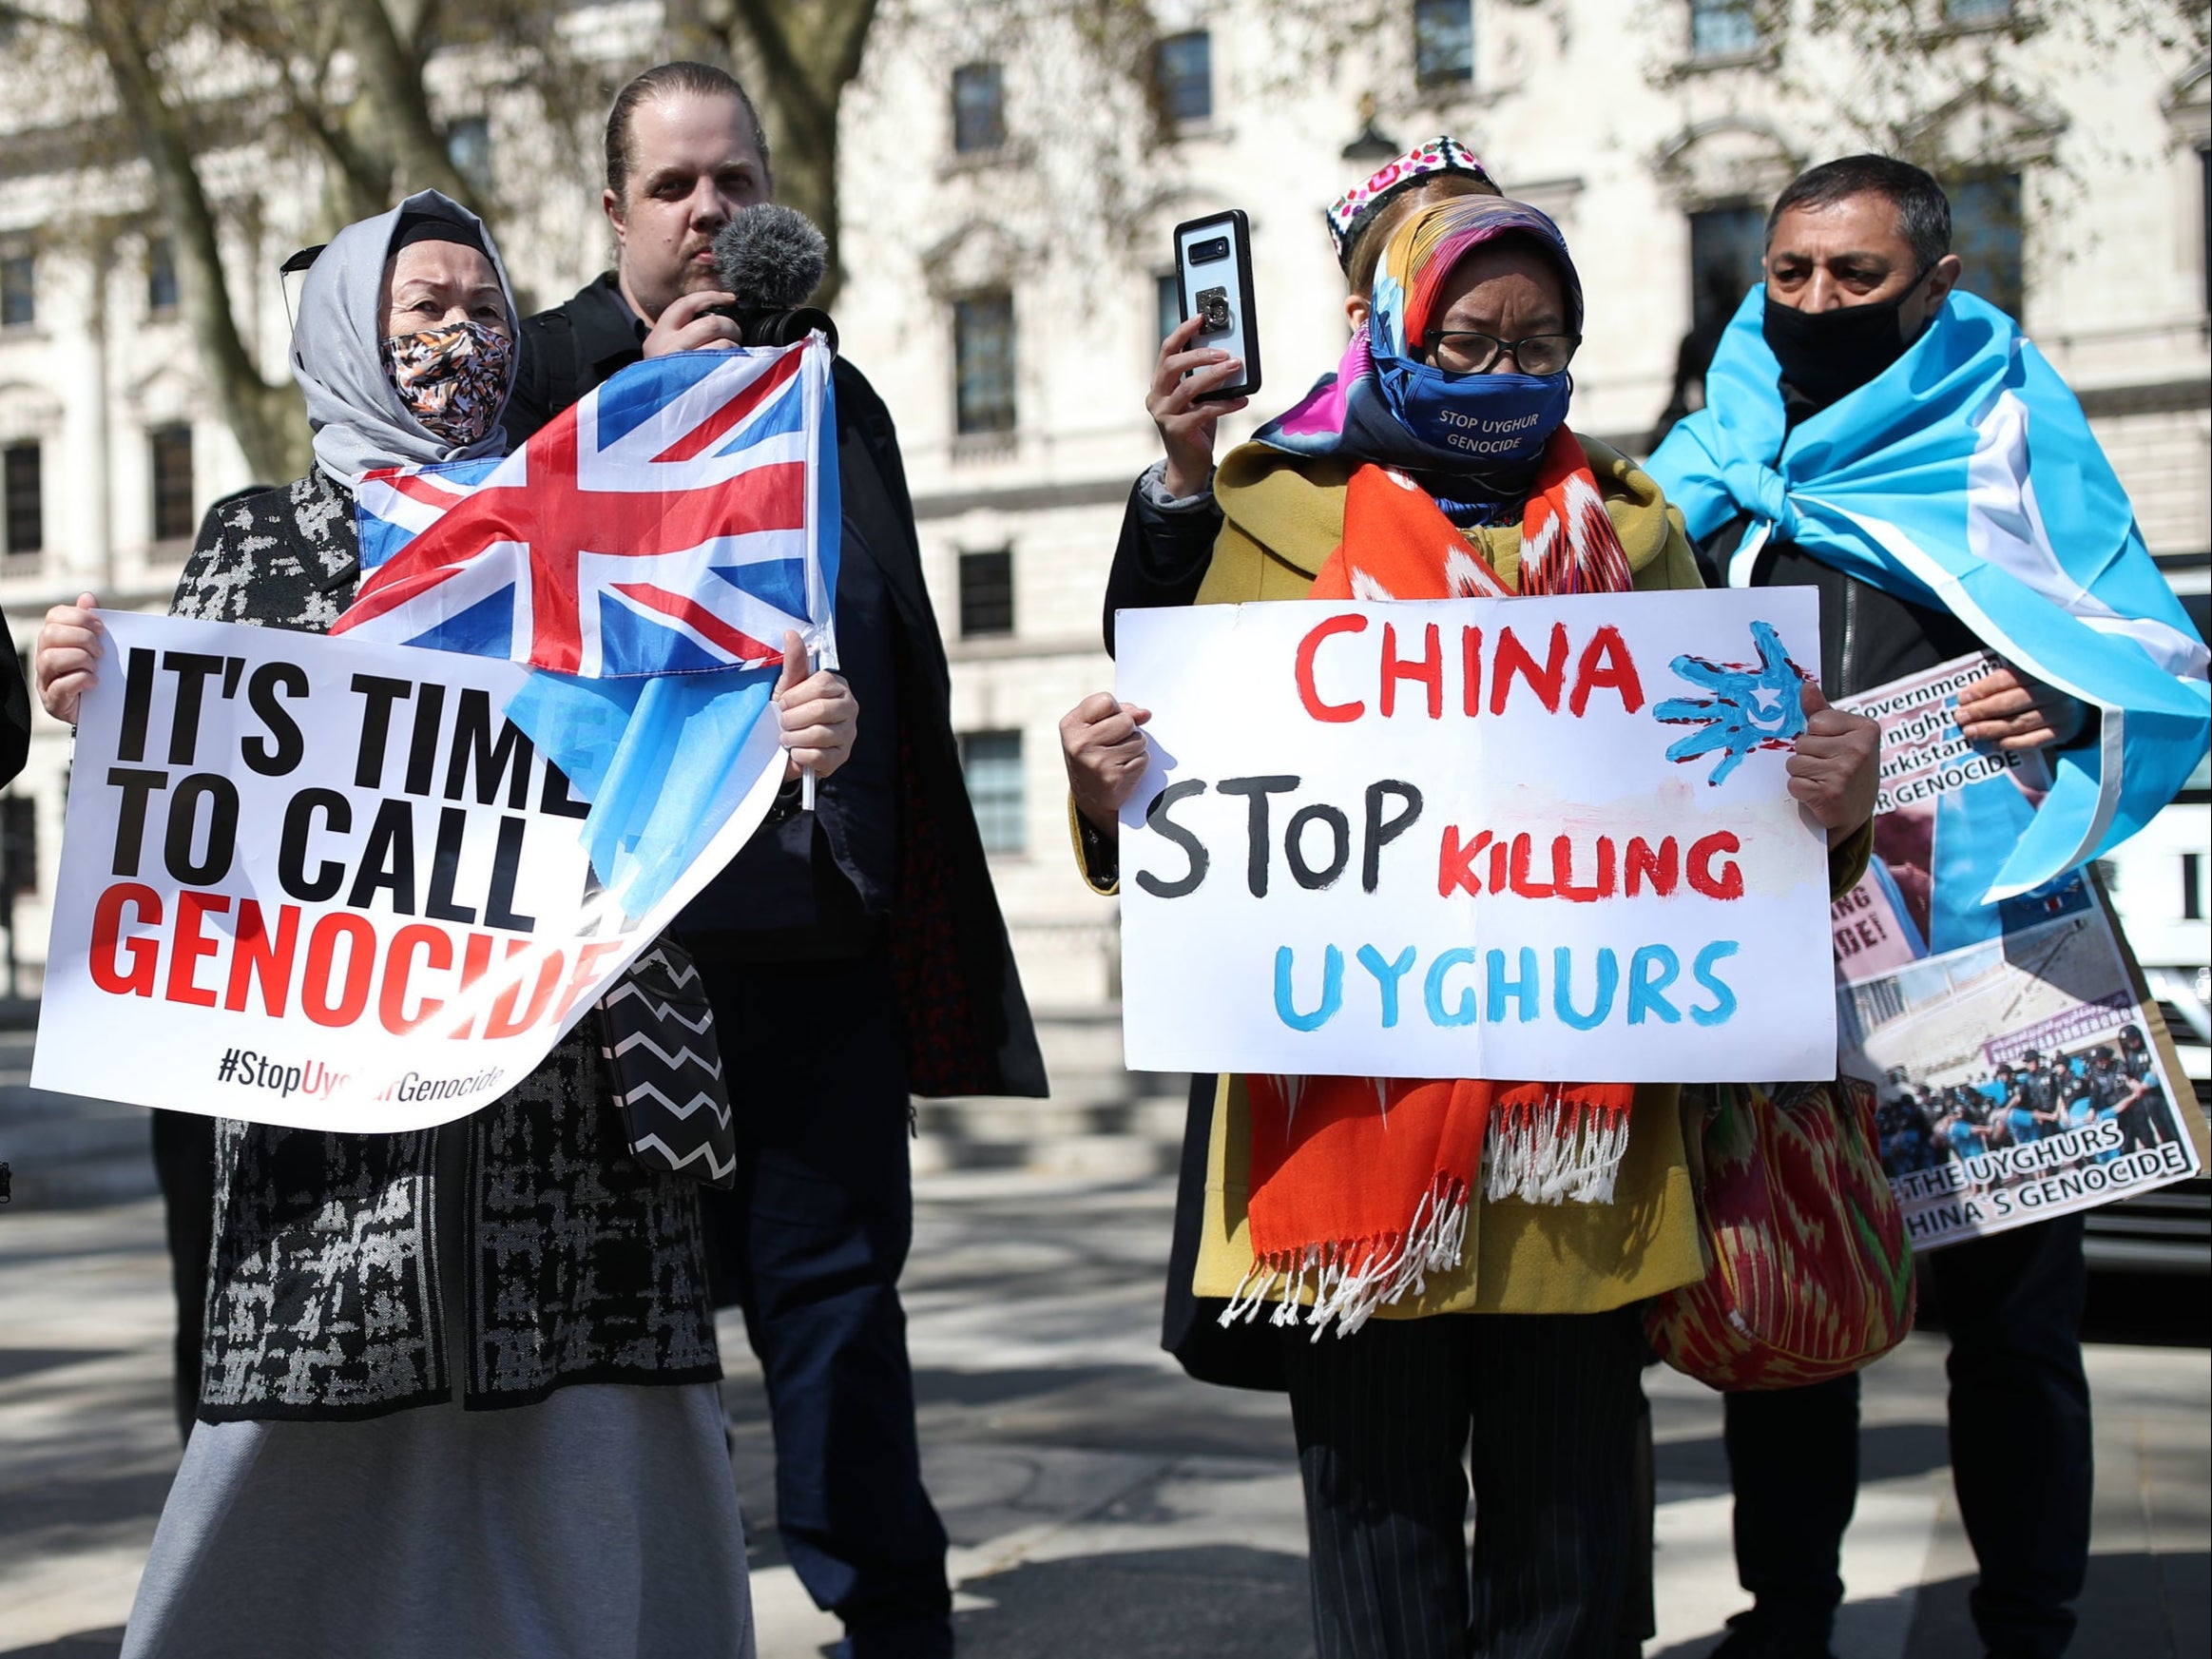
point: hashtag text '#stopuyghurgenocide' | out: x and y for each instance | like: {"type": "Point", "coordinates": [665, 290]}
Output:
{"type": "Point", "coordinates": [247, 1069]}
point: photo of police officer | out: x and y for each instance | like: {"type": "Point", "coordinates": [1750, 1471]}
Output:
{"type": "Point", "coordinates": [1922, 1125]}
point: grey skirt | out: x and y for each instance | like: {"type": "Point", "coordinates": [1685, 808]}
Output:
{"type": "Point", "coordinates": [600, 1522]}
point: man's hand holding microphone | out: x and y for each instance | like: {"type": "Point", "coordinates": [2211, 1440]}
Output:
{"type": "Point", "coordinates": [768, 261]}
{"type": "Point", "coordinates": [695, 322]}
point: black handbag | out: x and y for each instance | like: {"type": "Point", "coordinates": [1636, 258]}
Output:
{"type": "Point", "coordinates": [665, 1067]}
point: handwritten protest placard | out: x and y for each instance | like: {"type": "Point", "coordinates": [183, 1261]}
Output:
{"type": "Point", "coordinates": [329, 885]}
{"type": "Point", "coordinates": [1516, 838]}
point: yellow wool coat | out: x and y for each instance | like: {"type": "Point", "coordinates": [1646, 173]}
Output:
{"type": "Point", "coordinates": [1282, 517]}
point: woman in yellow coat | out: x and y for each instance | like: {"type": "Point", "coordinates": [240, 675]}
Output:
{"type": "Point", "coordinates": [1436, 462]}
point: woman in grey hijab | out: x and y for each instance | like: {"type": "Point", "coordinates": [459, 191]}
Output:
{"type": "Point", "coordinates": [457, 1388]}
{"type": "Point", "coordinates": [405, 350]}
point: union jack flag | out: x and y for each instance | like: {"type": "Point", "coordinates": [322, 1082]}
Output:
{"type": "Point", "coordinates": [673, 521]}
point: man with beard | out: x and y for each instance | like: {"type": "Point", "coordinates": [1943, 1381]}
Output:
{"type": "Point", "coordinates": [1850, 404]}
{"type": "Point", "coordinates": [865, 930]}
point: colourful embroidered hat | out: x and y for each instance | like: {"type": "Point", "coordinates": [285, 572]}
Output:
{"type": "Point", "coordinates": [1350, 213]}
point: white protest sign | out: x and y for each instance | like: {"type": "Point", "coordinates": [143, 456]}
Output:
{"type": "Point", "coordinates": [328, 885]}
{"type": "Point", "coordinates": [1447, 840]}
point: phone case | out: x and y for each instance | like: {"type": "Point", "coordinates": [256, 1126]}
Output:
{"type": "Point", "coordinates": [1220, 284]}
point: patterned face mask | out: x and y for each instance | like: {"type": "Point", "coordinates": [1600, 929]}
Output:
{"type": "Point", "coordinates": [453, 378]}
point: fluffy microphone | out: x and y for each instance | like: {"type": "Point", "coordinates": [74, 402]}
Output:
{"type": "Point", "coordinates": [772, 258]}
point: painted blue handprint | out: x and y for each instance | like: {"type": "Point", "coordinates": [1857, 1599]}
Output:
{"type": "Point", "coordinates": [1752, 707]}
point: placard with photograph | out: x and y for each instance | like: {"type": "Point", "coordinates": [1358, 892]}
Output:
{"type": "Point", "coordinates": [2016, 1062]}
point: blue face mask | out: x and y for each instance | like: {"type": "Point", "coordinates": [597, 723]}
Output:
{"type": "Point", "coordinates": [1474, 423]}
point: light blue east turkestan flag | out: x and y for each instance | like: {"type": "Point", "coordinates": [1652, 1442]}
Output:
{"type": "Point", "coordinates": [1965, 476]}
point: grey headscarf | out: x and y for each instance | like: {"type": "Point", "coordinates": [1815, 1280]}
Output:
{"type": "Point", "coordinates": [352, 409]}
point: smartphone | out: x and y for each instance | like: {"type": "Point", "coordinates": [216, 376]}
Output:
{"type": "Point", "coordinates": [1213, 266]}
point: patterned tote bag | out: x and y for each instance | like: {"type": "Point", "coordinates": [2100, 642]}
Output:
{"type": "Point", "coordinates": [1809, 1272]}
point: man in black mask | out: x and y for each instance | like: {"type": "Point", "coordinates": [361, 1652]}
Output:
{"type": "Point", "coordinates": [1858, 262]}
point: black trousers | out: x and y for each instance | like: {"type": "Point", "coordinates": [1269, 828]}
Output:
{"type": "Point", "coordinates": [1543, 1408]}
{"type": "Point", "coordinates": [184, 1168]}
{"type": "Point", "coordinates": [811, 1244]}
{"type": "Point", "coordinates": [2020, 1452]}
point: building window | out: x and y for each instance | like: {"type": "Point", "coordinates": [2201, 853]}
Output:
{"type": "Point", "coordinates": [2204, 219]}
{"type": "Point", "coordinates": [1723, 28]}
{"type": "Point", "coordinates": [1985, 234]}
{"type": "Point", "coordinates": [983, 362]}
{"type": "Point", "coordinates": [25, 515]}
{"type": "Point", "coordinates": [1728, 245]}
{"type": "Point", "coordinates": [172, 461]}
{"type": "Point", "coordinates": [19, 286]}
{"type": "Point", "coordinates": [18, 846]}
{"type": "Point", "coordinates": [1972, 11]}
{"type": "Point", "coordinates": [1182, 65]}
{"type": "Point", "coordinates": [2192, 886]}
{"type": "Point", "coordinates": [1443, 42]}
{"type": "Point", "coordinates": [161, 275]}
{"type": "Point", "coordinates": [986, 593]}
{"type": "Point", "coordinates": [978, 108]}
{"type": "Point", "coordinates": [468, 147]}
{"type": "Point", "coordinates": [991, 762]}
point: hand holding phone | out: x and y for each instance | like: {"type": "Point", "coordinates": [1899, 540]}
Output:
{"type": "Point", "coordinates": [1183, 404]}
{"type": "Point", "coordinates": [1213, 268]}
{"type": "Point", "coordinates": [1209, 362]}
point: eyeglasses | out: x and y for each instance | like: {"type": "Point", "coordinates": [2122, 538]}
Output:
{"type": "Point", "coordinates": [1458, 352]}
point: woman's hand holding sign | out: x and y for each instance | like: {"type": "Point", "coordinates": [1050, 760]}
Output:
{"type": "Point", "coordinates": [66, 656]}
{"type": "Point", "coordinates": [817, 713]}
{"type": "Point", "coordinates": [1104, 745]}
{"type": "Point", "coordinates": [1835, 765]}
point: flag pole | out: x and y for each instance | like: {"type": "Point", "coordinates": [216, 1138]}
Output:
{"type": "Point", "coordinates": [821, 615]}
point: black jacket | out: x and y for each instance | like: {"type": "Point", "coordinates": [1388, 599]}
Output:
{"type": "Point", "coordinates": [968, 1024]}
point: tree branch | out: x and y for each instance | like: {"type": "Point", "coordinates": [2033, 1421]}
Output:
{"type": "Point", "coordinates": [267, 421]}
{"type": "Point", "coordinates": [808, 56]}
{"type": "Point", "coordinates": [391, 88]}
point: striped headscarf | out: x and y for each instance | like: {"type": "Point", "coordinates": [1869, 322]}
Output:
{"type": "Point", "coordinates": [1346, 412]}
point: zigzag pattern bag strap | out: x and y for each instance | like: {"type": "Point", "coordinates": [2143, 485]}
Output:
{"type": "Point", "coordinates": [664, 1067]}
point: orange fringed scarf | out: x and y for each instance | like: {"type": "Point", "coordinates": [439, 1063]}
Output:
{"type": "Point", "coordinates": [1360, 1186]}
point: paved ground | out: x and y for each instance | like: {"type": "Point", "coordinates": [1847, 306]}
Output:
{"type": "Point", "coordinates": [1102, 1505]}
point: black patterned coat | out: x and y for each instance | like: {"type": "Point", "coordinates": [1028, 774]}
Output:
{"type": "Point", "coordinates": [348, 1270]}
